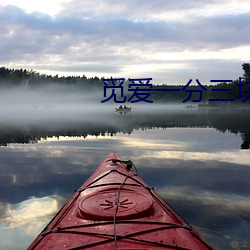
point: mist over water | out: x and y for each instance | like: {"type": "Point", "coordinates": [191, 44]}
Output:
{"type": "Point", "coordinates": [53, 102]}
{"type": "Point", "coordinates": [57, 103]}
{"type": "Point", "coordinates": [56, 110]}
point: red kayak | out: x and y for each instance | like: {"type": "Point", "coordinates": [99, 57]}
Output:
{"type": "Point", "coordinates": [116, 209]}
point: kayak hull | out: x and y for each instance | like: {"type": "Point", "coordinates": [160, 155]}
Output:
{"type": "Point", "coordinates": [116, 209]}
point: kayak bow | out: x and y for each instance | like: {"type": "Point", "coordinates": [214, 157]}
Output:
{"type": "Point", "coordinates": [116, 209]}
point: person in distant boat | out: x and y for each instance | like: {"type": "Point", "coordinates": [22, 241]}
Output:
{"type": "Point", "coordinates": [120, 107]}
{"type": "Point", "coordinates": [125, 106]}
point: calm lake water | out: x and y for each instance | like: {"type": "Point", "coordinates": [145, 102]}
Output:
{"type": "Point", "coordinates": [197, 160]}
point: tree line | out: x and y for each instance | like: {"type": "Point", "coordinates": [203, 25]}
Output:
{"type": "Point", "coordinates": [30, 78]}
{"type": "Point", "coordinates": [235, 92]}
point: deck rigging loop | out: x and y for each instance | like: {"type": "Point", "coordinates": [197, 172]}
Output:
{"type": "Point", "coordinates": [128, 164]}
{"type": "Point", "coordinates": [130, 174]}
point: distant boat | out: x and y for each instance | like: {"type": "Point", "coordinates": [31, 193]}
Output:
{"type": "Point", "coordinates": [123, 110]}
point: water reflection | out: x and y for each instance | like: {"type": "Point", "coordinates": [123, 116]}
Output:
{"type": "Point", "coordinates": [200, 171]}
{"type": "Point", "coordinates": [109, 123]}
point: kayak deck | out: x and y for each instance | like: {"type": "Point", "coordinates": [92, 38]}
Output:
{"type": "Point", "coordinates": [116, 209]}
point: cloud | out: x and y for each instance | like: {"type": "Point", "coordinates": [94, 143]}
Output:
{"type": "Point", "coordinates": [92, 37]}
{"type": "Point", "coordinates": [142, 9]}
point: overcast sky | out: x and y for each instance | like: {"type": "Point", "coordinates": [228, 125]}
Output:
{"type": "Point", "coordinates": [170, 41]}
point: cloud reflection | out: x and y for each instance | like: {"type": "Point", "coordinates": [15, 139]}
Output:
{"type": "Point", "coordinates": [234, 156]}
{"type": "Point", "coordinates": [22, 222]}
{"type": "Point", "coordinates": [29, 211]}
{"type": "Point", "coordinates": [228, 203]}
{"type": "Point", "coordinates": [225, 215]}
